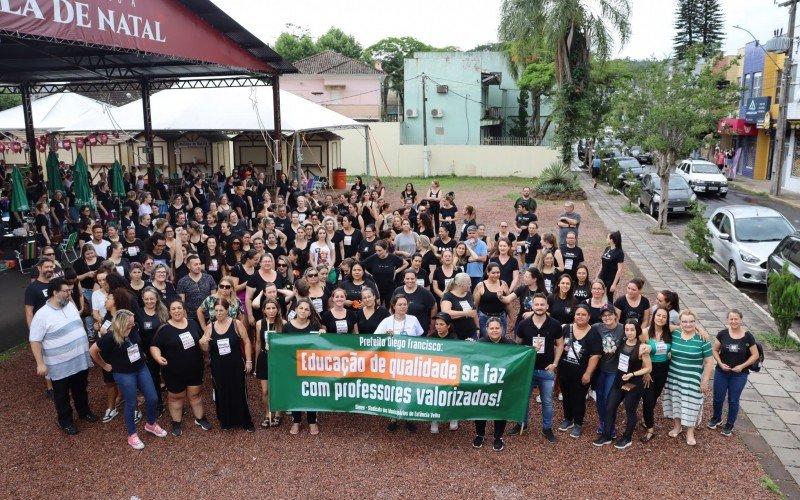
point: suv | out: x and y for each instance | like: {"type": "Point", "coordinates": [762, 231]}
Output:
{"type": "Point", "coordinates": [703, 176]}
{"type": "Point", "coordinates": [788, 250]}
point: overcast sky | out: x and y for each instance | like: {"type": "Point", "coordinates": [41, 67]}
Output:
{"type": "Point", "coordinates": [467, 23]}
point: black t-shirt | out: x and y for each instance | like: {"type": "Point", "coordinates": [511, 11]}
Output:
{"type": "Point", "coordinates": [353, 291]}
{"type": "Point", "coordinates": [448, 213]}
{"type": "Point", "coordinates": [36, 295]}
{"type": "Point", "coordinates": [350, 242]}
{"type": "Point", "coordinates": [148, 325]}
{"type": "Point", "coordinates": [507, 269]}
{"type": "Point", "coordinates": [256, 281]}
{"type": "Point", "coordinates": [81, 267]}
{"type": "Point", "coordinates": [105, 200]}
{"type": "Point", "coordinates": [609, 263]}
{"type": "Point", "coordinates": [420, 304]}
{"type": "Point", "coordinates": [464, 328]}
{"type": "Point", "coordinates": [181, 348]}
{"type": "Point", "coordinates": [333, 324]}
{"type": "Point", "coordinates": [288, 327]}
{"type": "Point", "coordinates": [550, 331]}
{"type": "Point", "coordinates": [550, 280]}
{"type": "Point", "coordinates": [383, 269]}
{"type": "Point", "coordinates": [572, 257]}
{"type": "Point", "coordinates": [734, 352]}
{"type": "Point", "coordinates": [366, 248]}
{"type": "Point", "coordinates": [522, 222]}
{"type": "Point", "coordinates": [630, 312]}
{"type": "Point", "coordinates": [42, 220]}
{"type": "Point", "coordinates": [282, 224]}
{"type": "Point", "coordinates": [582, 292]}
{"type": "Point", "coordinates": [127, 357]}
{"type": "Point", "coordinates": [577, 352]}
{"type": "Point", "coordinates": [238, 202]}
{"type": "Point", "coordinates": [369, 325]}
{"type": "Point", "coordinates": [532, 245]}
{"type": "Point", "coordinates": [442, 279]}
{"type": "Point", "coordinates": [560, 309]}
{"type": "Point", "coordinates": [132, 249]}
{"type": "Point", "coordinates": [442, 246]}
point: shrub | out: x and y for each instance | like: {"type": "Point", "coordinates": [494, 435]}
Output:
{"type": "Point", "coordinates": [557, 178]}
{"type": "Point", "coordinates": [697, 234]}
{"type": "Point", "coordinates": [612, 172]}
{"type": "Point", "coordinates": [633, 188]}
{"type": "Point", "coordinates": [783, 295]}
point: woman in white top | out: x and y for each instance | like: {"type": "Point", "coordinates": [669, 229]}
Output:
{"type": "Point", "coordinates": [321, 251]}
{"type": "Point", "coordinates": [144, 204]}
{"type": "Point", "coordinates": [400, 323]}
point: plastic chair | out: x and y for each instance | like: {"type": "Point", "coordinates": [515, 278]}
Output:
{"type": "Point", "coordinates": [68, 246]}
{"type": "Point", "coordinates": [27, 256]}
{"type": "Point", "coordinates": [320, 183]}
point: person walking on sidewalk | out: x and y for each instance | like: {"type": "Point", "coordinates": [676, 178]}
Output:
{"type": "Point", "coordinates": [735, 351]}
{"type": "Point", "coordinates": [596, 164]}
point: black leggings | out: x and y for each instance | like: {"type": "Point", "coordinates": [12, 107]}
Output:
{"type": "Point", "coordinates": [652, 393]}
{"type": "Point", "coordinates": [631, 399]}
{"type": "Point", "coordinates": [297, 417]}
{"type": "Point", "coordinates": [574, 393]}
{"type": "Point", "coordinates": [499, 428]}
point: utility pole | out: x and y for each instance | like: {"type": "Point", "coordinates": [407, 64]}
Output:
{"type": "Point", "coordinates": [426, 152]}
{"type": "Point", "coordinates": [780, 132]}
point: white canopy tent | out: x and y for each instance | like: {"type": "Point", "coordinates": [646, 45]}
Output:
{"type": "Point", "coordinates": [53, 112]}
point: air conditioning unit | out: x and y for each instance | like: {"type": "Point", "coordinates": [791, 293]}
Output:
{"type": "Point", "coordinates": [442, 89]}
{"type": "Point", "coordinates": [411, 113]}
{"type": "Point", "coordinates": [437, 113]}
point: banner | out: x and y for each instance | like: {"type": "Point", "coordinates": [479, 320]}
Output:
{"type": "Point", "coordinates": [410, 378]}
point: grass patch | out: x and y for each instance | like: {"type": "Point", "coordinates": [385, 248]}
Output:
{"type": "Point", "coordinates": [693, 265]}
{"type": "Point", "coordinates": [10, 352]}
{"type": "Point", "coordinates": [658, 230]}
{"type": "Point", "coordinates": [614, 192]}
{"type": "Point", "coordinates": [783, 344]}
{"type": "Point", "coordinates": [769, 485]}
{"type": "Point", "coordinates": [630, 209]}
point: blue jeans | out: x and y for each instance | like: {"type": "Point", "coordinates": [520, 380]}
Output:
{"type": "Point", "coordinates": [732, 385]}
{"type": "Point", "coordinates": [544, 380]}
{"type": "Point", "coordinates": [484, 318]}
{"type": "Point", "coordinates": [605, 382]}
{"type": "Point", "coordinates": [129, 384]}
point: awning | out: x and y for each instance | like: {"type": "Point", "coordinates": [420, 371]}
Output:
{"type": "Point", "coordinates": [736, 126]}
{"type": "Point", "coordinates": [52, 112]}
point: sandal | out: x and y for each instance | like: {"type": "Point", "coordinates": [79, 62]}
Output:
{"type": "Point", "coordinates": [313, 429]}
{"type": "Point", "coordinates": [691, 442]}
{"type": "Point", "coordinates": [674, 434]}
{"type": "Point", "coordinates": [276, 420]}
{"type": "Point", "coordinates": [649, 436]}
{"type": "Point", "coordinates": [295, 430]}
{"type": "Point", "coordinates": [265, 423]}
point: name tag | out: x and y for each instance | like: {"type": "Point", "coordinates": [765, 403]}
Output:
{"type": "Point", "coordinates": [661, 348]}
{"type": "Point", "coordinates": [420, 282]}
{"type": "Point", "coordinates": [106, 324]}
{"type": "Point", "coordinates": [341, 326]}
{"type": "Point", "coordinates": [187, 340]}
{"type": "Point", "coordinates": [301, 217]}
{"type": "Point", "coordinates": [224, 346]}
{"type": "Point", "coordinates": [568, 264]}
{"type": "Point", "coordinates": [120, 270]}
{"type": "Point", "coordinates": [133, 353]}
{"type": "Point", "coordinates": [133, 251]}
{"type": "Point", "coordinates": [148, 325]}
{"type": "Point", "coordinates": [317, 305]}
{"type": "Point", "coordinates": [348, 240]}
{"type": "Point", "coordinates": [538, 343]}
{"type": "Point", "coordinates": [214, 265]}
{"type": "Point", "coordinates": [464, 305]}
{"type": "Point", "coordinates": [624, 361]}
{"type": "Point", "coordinates": [733, 347]}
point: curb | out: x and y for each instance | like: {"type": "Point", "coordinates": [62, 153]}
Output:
{"type": "Point", "coordinates": [749, 190]}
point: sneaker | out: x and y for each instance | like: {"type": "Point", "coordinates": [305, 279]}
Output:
{"type": "Point", "coordinates": [565, 425]}
{"type": "Point", "coordinates": [50, 394]}
{"type": "Point", "coordinates": [548, 433]}
{"type": "Point", "coordinates": [593, 395]}
{"type": "Point", "coordinates": [622, 443]}
{"type": "Point", "coordinates": [265, 423]}
{"type": "Point", "coordinates": [411, 426]}
{"type": "Point", "coordinates": [498, 444]}
{"type": "Point", "coordinates": [135, 442]}
{"type": "Point", "coordinates": [90, 417]}
{"type": "Point", "coordinates": [110, 414]}
{"type": "Point", "coordinates": [713, 423]}
{"type": "Point", "coordinates": [560, 397]}
{"type": "Point", "coordinates": [518, 429]}
{"type": "Point", "coordinates": [155, 430]}
{"type": "Point", "coordinates": [600, 430]}
{"type": "Point", "coordinates": [613, 434]}
{"type": "Point", "coordinates": [602, 441]}
{"type": "Point", "coordinates": [454, 425]}
{"type": "Point", "coordinates": [577, 430]}
{"type": "Point", "coordinates": [727, 430]}
{"type": "Point", "coordinates": [69, 430]}
{"type": "Point", "coordinates": [477, 442]}
{"type": "Point", "coordinates": [250, 428]}
{"type": "Point", "coordinates": [203, 423]}
{"type": "Point", "coordinates": [392, 426]}
{"type": "Point", "coordinates": [137, 417]}
{"type": "Point", "coordinates": [434, 427]}
{"type": "Point", "coordinates": [538, 398]}
{"type": "Point", "coordinates": [176, 429]}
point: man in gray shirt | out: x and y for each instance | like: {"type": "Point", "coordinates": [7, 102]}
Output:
{"type": "Point", "coordinates": [195, 286]}
{"type": "Point", "coordinates": [568, 221]}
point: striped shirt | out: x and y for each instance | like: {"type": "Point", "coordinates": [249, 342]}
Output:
{"type": "Point", "coordinates": [65, 346]}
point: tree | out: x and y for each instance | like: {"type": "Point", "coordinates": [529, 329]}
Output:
{"type": "Point", "coordinates": [538, 79]}
{"type": "Point", "coordinates": [605, 77]}
{"type": "Point", "coordinates": [519, 124]}
{"type": "Point", "coordinates": [698, 22]}
{"type": "Point", "coordinates": [392, 52]}
{"type": "Point", "coordinates": [338, 41]}
{"type": "Point", "coordinates": [670, 109]}
{"type": "Point", "coordinates": [783, 295]}
{"type": "Point", "coordinates": [697, 233]}
{"type": "Point", "coordinates": [573, 30]}
{"type": "Point", "coordinates": [9, 100]}
{"type": "Point", "coordinates": [294, 47]}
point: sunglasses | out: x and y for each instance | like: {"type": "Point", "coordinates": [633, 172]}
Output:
{"type": "Point", "coordinates": [281, 264]}
{"type": "Point", "coordinates": [312, 275]}
{"type": "Point", "coordinates": [225, 287]}
{"type": "Point", "coordinates": [51, 254]}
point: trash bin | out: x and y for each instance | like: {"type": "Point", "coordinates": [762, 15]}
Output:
{"type": "Point", "coordinates": [339, 178]}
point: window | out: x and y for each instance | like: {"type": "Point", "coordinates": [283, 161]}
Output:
{"type": "Point", "coordinates": [725, 226]}
{"type": "Point", "coordinates": [717, 219]}
{"type": "Point", "coordinates": [778, 81]}
{"type": "Point", "coordinates": [746, 89]}
{"type": "Point", "coordinates": [756, 85]}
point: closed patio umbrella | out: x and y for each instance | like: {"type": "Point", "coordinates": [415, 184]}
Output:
{"type": "Point", "coordinates": [117, 183]}
{"type": "Point", "coordinates": [19, 199]}
{"type": "Point", "coordinates": [53, 175]}
{"type": "Point", "coordinates": [83, 194]}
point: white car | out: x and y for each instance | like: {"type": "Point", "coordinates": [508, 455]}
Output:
{"type": "Point", "coordinates": [743, 237]}
{"type": "Point", "coordinates": [703, 176]}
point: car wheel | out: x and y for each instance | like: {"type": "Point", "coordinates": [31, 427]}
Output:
{"type": "Point", "coordinates": [723, 195]}
{"type": "Point", "coordinates": [653, 211]}
{"type": "Point", "coordinates": [733, 274]}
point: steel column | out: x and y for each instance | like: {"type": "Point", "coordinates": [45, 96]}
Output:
{"type": "Point", "coordinates": [30, 134]}
{"type": "Point", "coordinates": [148, 137]}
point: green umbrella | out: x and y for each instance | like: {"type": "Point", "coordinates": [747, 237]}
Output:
{"type": "Point", "coordinates": [117, 184]}
{"type": "Point", "coordinates": [83, 195]}
{"type": "Point", "coordinates": [53, 175]}
{"type": "Point", "coordinates": [19, 198]}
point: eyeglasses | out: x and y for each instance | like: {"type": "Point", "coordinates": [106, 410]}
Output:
{"type": "Point", "coordinates": [281, 264]}
{"type": "Point", "coordinates": [225, 287]}
{"type": "Point", "coordinates": [312, 275]}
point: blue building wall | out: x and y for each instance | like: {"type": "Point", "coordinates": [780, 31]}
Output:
{"type": "Point", "coordinates": [753, 62]}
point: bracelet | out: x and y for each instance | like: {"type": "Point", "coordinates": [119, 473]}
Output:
{"type": "Point", "coordinates": [248, 361]}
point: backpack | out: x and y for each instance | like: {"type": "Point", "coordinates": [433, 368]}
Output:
{"type": "Point", "coordinates": [756, 367]}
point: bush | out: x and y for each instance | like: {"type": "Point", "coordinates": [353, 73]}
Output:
{"type": "Point", "coordinates": [783, 295]}
{"type": "Point", "coordinates": [557, 179]}
{"type": "Point", "coordinates": [697, 234]}
{"type": "Point", "coordinates": [633, 188]}
{"type": "Point", "coordinates": [698, 266]}
{"type": "Point", "coordinates": [630, 209]}
{"type": "Point", "coordinates": [612, 172]}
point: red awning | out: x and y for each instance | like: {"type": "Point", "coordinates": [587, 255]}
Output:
{"type": "Point", "coordinates": [736, 126]}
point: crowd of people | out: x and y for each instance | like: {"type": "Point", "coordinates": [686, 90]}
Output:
{"type": "Point", "coordinates": [204, 272]}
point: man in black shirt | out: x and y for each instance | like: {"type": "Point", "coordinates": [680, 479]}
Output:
{"type": "Point", "coordinates": [104, 205]}
{"type": "Point", "coordinates": [545, 335]}
{"type": "Point", "coordinates": [239, 204]}
{"type": "Point", "coordinates": [143, 227]}
{"type": "Point", "coordinates": [36, 292]}
{"type": "Point", "coordinates": [572, 255]}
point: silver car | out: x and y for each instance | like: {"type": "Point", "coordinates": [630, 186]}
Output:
{"type": "Point", "coordinates": [680, 194]}
{"type": "Point", "coordinates": [743, 237]}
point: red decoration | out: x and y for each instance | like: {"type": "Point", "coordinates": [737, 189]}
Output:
{"type": "Point", "coordinates": [16, 147]}
{"type": "Point", "coordinates": [56, 145]}
{"type": "Point", "coordinates": [115, 134]}
{"type": "Point", "coordinates": [42, 148]}
{"type": "Point", "coordinates": [103, 138]}
{"type": "Point", "coordinates": [66, 144]}
{"type": "Point", "coordinates": [2, 147]}
{"type": "Point", "coordinates": [92, 140]}
{"type": "Point", "coordinates": [79, 143]}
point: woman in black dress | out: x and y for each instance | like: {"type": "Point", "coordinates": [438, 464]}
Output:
{"type": "Point", "coordinates": [305, 321]}
{"type": "Point", "coordinates": [272, 322]}
{"type": "Point", "coordinates": [338, 319]}
{"type": "Point", "coordinates": [223, 338]}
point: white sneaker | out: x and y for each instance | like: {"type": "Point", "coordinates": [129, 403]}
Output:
{"type": "Point", "coordinates": [560, 397]}
{"type": "Point", "coordinates": [454, 425]}
{"type": "Point", "coordinates": [110, 414]}
{"type": "Point", "coordinates": [538, 398]}
{"type": "Point", "coordinates": [137, 416]}
{"type": "Point", "coordinates": [434, 427]}
{"type": "Point", "coordinates": [593, 395]}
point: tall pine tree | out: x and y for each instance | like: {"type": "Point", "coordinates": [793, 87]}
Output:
{"type": "Point", "coordinates": [698, 22]}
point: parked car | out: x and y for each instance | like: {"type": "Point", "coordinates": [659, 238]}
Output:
{"type": "Point", "coordinates": [627, 165]}
{"type": "Point", "coordinates": [644, 157]}
{"type": "Point", "coordinates": [743, 237]}
{"type": "Point", "coordinates": [788, 250]}
{"type": "Point", "coordinates": [703, 176]}
{"type": "Point", "coordinates": [680, 194]}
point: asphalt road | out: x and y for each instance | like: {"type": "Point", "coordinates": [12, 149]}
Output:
{"type": "Point", "coordinates": [13, 329]}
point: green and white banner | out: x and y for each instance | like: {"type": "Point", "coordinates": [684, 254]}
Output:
{"type": "Point", "coordinates": [412, 378]}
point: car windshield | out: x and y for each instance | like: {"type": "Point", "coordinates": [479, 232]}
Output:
{"type": "Point", "coordinates": [755, 229]}
{"type": "Point", "coordinates": [705, 168]}
{"type": "Point", "coordinates": [628, 163]}
{"type": "Point", "coordinates": [675, 182]}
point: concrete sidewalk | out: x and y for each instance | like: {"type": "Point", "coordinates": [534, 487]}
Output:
{"type": "Point", "coordinates": [771, 400]}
